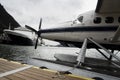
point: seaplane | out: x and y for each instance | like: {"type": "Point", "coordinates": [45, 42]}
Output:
{"type": "Point", "coordinates": [99, 29]}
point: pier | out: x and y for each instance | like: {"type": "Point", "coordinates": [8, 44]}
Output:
{"type": "Point", "coordinates": [10, 70]}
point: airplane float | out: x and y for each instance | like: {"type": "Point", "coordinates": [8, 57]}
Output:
{"type": "Point", "coordinates": [99, 28]}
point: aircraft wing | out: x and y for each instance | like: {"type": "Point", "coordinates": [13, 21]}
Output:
{"type": "Point", "coordinates": [108, 6]}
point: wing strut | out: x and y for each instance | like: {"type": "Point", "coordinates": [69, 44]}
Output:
{"type": "Point", "coordinates": [81, 55]}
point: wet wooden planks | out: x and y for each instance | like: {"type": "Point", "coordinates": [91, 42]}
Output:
{"type": "Point", "coordinates": [32, 73]}
{"type": "Point", "coordinates": [8, 65]}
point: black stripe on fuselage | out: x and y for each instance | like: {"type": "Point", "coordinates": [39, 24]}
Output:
{"type": "Point", "coordinates": [79, 28]}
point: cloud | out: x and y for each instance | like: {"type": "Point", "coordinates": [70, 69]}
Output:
{"type": "Point", "coordinates": [52, 11]}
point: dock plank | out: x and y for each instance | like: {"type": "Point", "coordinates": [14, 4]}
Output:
{"type": "Point", "coordinates": [11, 63]}
{"type": "Point", "coordinates": [12, 77]}
{"type": "Point", "coordinates": [3, 78]}
{"type": "Point", "coordinates": [41, 74]}
{"type": "Point", "coordinates": [8, 65]}
{"type": "Point", "coordinates": [32, 73]}
{"type": "Point", "coordinates": [34, 77]}
{"type": "Point", "coordinates": [5, 68]}
{"type": "Point", "coordinates": [23, 76]}
{"type": "Point", "coordinates": [40, 71]}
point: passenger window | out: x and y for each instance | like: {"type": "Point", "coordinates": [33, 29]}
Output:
{"type": "Point", "coordinates": [109, 20]}
{"type": "Point", "coordinates": [97, 20]}
{"type": "Point", "coordinates": [119, 19]}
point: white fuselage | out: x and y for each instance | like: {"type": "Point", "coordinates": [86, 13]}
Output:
{"type": "Point", "coordinates": [100, 27]}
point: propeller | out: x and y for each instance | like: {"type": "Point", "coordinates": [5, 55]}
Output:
{"type": "Point", "coordinates": [30, 28]}
{"type": "Point", "coordinates": [38, 35]}
{"type": "Point", "coordinates": [37, 32]}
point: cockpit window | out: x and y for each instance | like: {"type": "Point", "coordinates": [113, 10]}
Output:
{"type": "Point", "coordinates": [97, 20]}
{"type": "Point", "coordinates": [80, 18]}
{"type": "Point", "coordinates": [109, 19]}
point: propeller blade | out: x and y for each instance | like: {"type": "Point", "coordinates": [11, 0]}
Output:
{"type": "Point", "coordinates": [30, 28]}
{"type": "Point", "coordinates": [36, 42]}
{"type": "Point", "coordinates": [40, 24]}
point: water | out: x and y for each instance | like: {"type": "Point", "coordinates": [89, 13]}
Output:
{"type": "Point", "coordinates": [24, 54]}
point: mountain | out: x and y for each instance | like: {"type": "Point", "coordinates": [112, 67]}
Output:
{"type": "Point", "coordinates": [6, 19]}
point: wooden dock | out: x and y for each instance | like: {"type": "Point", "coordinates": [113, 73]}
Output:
{"type": "Point", "coordinates": [10, 70]}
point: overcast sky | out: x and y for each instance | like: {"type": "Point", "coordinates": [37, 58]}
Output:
{"type": "Point", "coordinates": [52, 11]}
